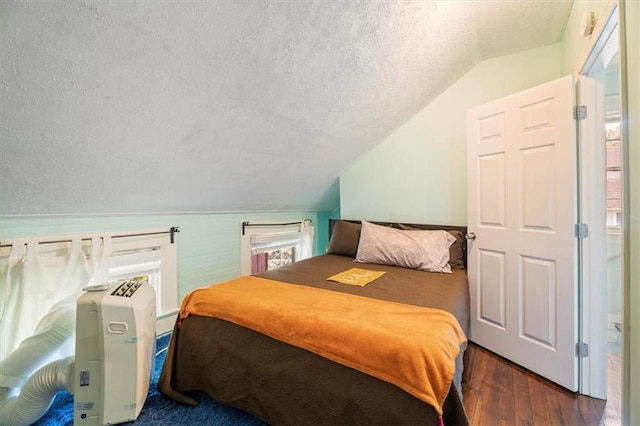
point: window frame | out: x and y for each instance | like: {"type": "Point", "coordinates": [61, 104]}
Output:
{"type": "Point", "coordinates": [257, 230]}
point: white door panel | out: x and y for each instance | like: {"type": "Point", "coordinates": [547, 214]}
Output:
{"type": "Point", "coordinates": [491, 190]}
{"type": "Point", "coordinates": [521, 206]}
{"type": "Point", "coordinates": [491, 288]}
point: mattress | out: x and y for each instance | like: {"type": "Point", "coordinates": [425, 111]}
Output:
{"type": "Point", "coordinates": [284, 384]}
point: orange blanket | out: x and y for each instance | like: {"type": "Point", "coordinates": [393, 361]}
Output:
{"type": "Point", "coordinates": [412, 347]}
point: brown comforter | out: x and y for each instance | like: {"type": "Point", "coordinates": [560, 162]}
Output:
{"type": "Point", "coordinates": [284, 384]}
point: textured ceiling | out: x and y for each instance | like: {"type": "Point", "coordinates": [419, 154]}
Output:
{"type": "Point", "coordinates": [168, 106]}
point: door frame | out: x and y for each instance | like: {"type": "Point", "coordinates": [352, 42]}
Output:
{"type": "Point", "coordinates": [592, 324]}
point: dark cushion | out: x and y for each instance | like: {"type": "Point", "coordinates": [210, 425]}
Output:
{"type": "Point", "coordinates": [344, 238]}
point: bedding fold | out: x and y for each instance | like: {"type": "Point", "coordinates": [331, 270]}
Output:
{"type": "Point", "coordinates": [411, 347]}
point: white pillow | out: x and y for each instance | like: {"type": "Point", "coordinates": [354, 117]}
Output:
{"type": "Point", "coordinates": [424, 250]}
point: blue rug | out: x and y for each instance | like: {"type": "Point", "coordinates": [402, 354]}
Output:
{"type": "Point", "coordinates": [158, 409]}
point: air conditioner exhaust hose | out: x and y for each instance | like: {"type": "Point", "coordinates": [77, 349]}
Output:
{"type": "Point", "coordinates": [52, 333]}
{"type": "Point", "coordinates": [37, 394]}
{"type": "Point", "coordinates": [23, 368]}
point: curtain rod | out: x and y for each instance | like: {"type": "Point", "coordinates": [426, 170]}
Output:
{"type": "Point", "coordinates": [173, 230]}
{"type": "Point", "coordinates": [246, 224]}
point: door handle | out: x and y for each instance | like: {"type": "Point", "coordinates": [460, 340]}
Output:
{"type": "Point", "coordinates": [471, 236]}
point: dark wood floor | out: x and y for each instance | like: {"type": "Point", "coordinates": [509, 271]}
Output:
{"type": "Point", "coordinates": [498, 392]}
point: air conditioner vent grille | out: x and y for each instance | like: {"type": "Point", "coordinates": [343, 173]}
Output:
{"type": "Point", "coordinates": [127, 289]}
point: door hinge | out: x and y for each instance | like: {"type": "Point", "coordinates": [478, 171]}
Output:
{"type": "Point", "coordinates": [579, 112]}
{"type": "Point", "coordinates": [582, 350]}
{"type": "Point", "coordinates": [581, 230]}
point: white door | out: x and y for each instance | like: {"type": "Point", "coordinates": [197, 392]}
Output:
{"type": "Point", "coordinates": [522, 209]}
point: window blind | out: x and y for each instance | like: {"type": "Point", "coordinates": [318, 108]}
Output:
{"type": "Point", "coordinates": [263, 243]}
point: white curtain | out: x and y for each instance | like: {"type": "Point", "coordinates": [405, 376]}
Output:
{"type": "Point", "coordinates": [306, 240]}
{"type": "Point", "coordinates": [38, 290]}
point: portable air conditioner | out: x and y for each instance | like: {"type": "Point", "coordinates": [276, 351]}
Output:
{"type": "Point", "coordinates": [115, 352]}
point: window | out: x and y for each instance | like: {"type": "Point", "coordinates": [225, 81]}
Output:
{"type": "Point", "coordinates": [273, 250]}
{"type": "Point", "coordinates": [268, 247]}
{"type": "Point", "coordinates": [614, 175]}
{"type": "Point", "coordinates": [142, 265]}
{"type": "Point", "coordinates": [153, 257]}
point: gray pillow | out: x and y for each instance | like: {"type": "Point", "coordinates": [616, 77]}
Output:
{"type": "Point", "coordinates": [423, 250]}
{"type": "Point", "coordinates": [456, 252]}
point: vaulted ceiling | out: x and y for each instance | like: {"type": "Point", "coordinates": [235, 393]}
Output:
{"type": "Point", "coordinates": [182, 106]}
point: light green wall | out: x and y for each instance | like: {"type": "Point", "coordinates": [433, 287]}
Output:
{"type": "Point", "coordinates": [208, 244]}
{"type": "Point", "coordinates": [574, 46]}
{"type": "Point", "coordinates": [418, 174]}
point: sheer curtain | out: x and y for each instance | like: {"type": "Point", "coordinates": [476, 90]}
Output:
{"type": "Point", "coordinates": [306, 240]}
{"type": "Point", "coordinates": [39, 285]}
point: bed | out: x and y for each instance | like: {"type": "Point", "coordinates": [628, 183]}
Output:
{"type": "Point", "coordinates": [282, 383]}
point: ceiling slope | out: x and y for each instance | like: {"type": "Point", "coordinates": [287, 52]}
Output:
{"type": "Point", "coordinates": [171, 106]}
